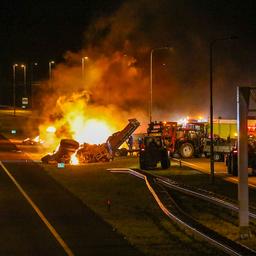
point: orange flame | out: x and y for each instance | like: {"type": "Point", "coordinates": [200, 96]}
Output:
{"type": "Point", "coordinates": [74, 160]}
{"type": "Point", "coordinates": [51, 129]}
{"type": "Point", "coordinates": [93, 131]}
{"type": "Point", "coordinates": [81, 122]}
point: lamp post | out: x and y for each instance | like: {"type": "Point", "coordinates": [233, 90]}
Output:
{"type": "Point", "coordinates": [24, 79]}
{"type": "Point", "coordinates": [14, 87]}
{"type": "Point", "coordinates": [151, 79]}
{"type": "Point", "coordinates": [33, 76]}
{"type": "Point", "coordinates": [50, 70]}
{"type": "Point", "coordinates": [212, 43]}
{"type": "Point", "coordinates": [83, 66]}
{"type": "Point", "coordinates": [32, 81]}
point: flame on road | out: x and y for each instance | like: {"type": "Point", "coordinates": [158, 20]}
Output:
{"type": "Point", "coordinates": [74, 160]}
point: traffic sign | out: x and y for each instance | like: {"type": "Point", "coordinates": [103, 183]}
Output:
{"type": "Point", "coordinates": [24, 100]}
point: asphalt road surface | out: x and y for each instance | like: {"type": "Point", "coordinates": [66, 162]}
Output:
{"type": "Point", "coordinates": [203, 165]}
{"type": "Point", "coordinates": [40, 217]}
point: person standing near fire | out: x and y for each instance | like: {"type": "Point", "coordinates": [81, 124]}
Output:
{"type": "Point", "coordinates": [130, 144]}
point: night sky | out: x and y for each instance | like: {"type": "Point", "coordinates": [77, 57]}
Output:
{"type": "Point", "coordinates": [46, 29]}
{"type": "Point", "coordinates": [43, 30]}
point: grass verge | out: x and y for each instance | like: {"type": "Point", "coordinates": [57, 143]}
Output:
{"type": "Point", "coordinates": [133, 211]}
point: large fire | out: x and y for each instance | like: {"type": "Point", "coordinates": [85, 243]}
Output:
{"type": "Point", "coordinates": [74, 160]}
{"type": "Point", "coordinates": [92, 131]}
{"type": "Point", "coordinates": [77, 120]}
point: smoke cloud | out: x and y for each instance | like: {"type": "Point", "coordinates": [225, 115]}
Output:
{"type": "Point", "coordinates": [116, 74]}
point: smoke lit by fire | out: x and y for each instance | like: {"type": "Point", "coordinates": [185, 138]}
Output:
{"type": "Point", "coordinates": [89, 105]}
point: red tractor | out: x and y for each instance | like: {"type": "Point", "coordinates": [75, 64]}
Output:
{"type": "Point", "coordinates": [189, 139]}
{"type": "Point", "coordinates": [167, 138]}
{"type": "Point", "coordinates": [183, 140]}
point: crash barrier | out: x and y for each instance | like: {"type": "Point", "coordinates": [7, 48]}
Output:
{"type": "Point", "coordinates": [210, 199]}
{"type": "Point", "coordinates": [174, 218]}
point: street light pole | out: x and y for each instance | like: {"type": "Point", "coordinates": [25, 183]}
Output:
{"type": "Point", "coordinates": [211, 116]}
{"type": "Point", "coordinates": [50, 70]}
{"type": "Point", "coordinates": [212, 43]}
{"type": "Point", "coordinates": [83, 66]}
{"type": "Point", "coordinates": [14, 87]}
{"type": "Point", "coordinates": [24, 79]}
{"type": "Point", "coordinates": [151, 79]}
{"type": "Point", "coordinates": [151, 86]}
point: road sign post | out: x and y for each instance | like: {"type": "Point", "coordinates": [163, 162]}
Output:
{"type": "Point", "coordinates": [243, 96]}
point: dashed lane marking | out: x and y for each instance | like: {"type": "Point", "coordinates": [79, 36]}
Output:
{"type": "Point", "coordinates": [39, 213]}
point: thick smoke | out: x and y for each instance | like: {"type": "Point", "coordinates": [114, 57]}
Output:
{"type": "Point", "coordinates": [117, 71]}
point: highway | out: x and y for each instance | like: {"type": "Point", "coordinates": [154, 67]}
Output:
{"type": "Point", "coordinates": [40, 217]}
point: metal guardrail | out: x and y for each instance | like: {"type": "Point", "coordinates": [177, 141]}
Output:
{"type": "Point", "coordinates": [212, 241]}
{"type": "Point", "coordinates": [211, 199]}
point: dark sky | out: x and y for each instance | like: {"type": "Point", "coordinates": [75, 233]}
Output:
{"type": "Point", "coordinates": [46, 29]}
{"type": "Point", "coordinates": [36, 29]}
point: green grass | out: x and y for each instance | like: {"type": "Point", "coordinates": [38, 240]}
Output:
{"type": "Point", "coordinates": [133, 211]}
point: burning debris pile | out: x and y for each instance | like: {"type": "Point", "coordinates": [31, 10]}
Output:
{"type": "Point", "coordinates": [69, 150]}
{"type": "Point", "coordinates": [88, 153]}
{"type": "Point", "coordinates": [33, 141]}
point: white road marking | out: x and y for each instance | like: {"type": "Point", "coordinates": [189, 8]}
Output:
{"type": "Point", "coordinates": [39, 213]}
{"type": "Point", "coordinates": [235, 180]}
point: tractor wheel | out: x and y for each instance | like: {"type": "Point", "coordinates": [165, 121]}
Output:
{"type": "Point", "coordinates": [142, 159]}
{"type": "Point", "coordinates": [187, 150]}
{"type": "Point", "coordinates": [165, 161]}
{"type": "Point", "coordinates": [143, 165]}
{"type": "Point", "coordinates": [234, 165]}
{"type": "Point", "coordinates": [228, 164]}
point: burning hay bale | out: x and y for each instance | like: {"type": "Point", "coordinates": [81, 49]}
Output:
{"type": "Point", "coordinates": [69, 150]}
{"type": "Point", "coordinates": [63, 153]}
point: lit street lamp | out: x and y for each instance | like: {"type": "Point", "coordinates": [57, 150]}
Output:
{"type": "Point", "coordinates": [34, 65]}
{"type": "Point", "coordinates": [151, 78]}
{"type": "Point", "coordinates": [83, 66]}
{"type": "Point", "coordinates": [14, 87]}
{"type": "Point", "coordinates": [24, 79]}
{"type": "Point", "coordinates": [212, 43]}
{"type": "Point", "coordinates": [50, 69]}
